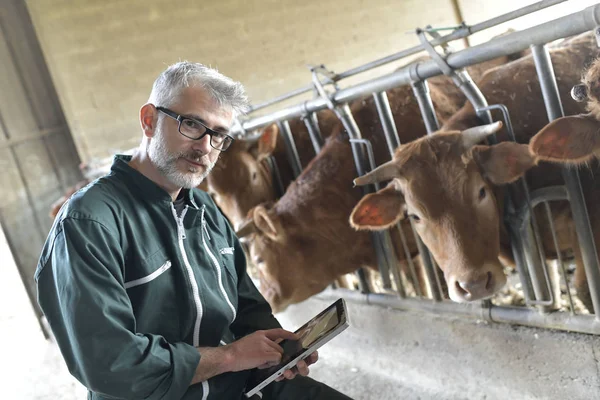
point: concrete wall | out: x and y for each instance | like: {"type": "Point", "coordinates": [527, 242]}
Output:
{"type": "Point", "coordinates": [104, 54]}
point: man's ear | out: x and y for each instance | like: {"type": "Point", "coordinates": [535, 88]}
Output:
{"type": "Point", "coordinates": [503, 163]}
{"type": "Point", "coordinates": [378, 211]}
{"type": "Point", "coordinates": [148, 118]}
{"type": "Point", "coordinates": [574, 139]}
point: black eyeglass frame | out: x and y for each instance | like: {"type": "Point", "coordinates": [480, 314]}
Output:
{"type": "Point", "coordinates": [227, 140]}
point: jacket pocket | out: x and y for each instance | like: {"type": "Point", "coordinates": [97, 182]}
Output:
{"type": "Point", "coordinates": [148, 278]}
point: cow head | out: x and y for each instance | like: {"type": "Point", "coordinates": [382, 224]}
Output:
{"type": "Point", "coordinates": [448, 186]}
{"type": "Point", "coordinates": [241, 179]}
{"type": "Point", "coordinates": [275, 250]}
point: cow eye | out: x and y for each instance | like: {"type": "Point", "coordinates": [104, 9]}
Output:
{"type": "Point", "coordinates": [414, 217]}
{"type": "Point", "coordinates": [254, 175]}
{"type": "Point", "coordinates": [482, 193]}
{"type": "Point", "coordinates": [259, 261]}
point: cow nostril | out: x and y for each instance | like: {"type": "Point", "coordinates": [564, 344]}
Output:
{"type": "Point", "coordinates": [463, 292]}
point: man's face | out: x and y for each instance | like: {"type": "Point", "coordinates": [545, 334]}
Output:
{"type": "Point", "coordinates": [183, 161]}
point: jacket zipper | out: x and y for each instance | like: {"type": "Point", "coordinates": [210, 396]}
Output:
{"type": "Point", "coordinates": [195, 292]}
{"type": "Point", "coordinates": [215, 263]}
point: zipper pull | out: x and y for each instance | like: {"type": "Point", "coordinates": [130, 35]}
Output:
{"type": "Point", "coordinates": [205, 229]}
{"type": "Point", "coordinates": [204, 222]}
{"type": "Point", "coordinates": [181, 230]}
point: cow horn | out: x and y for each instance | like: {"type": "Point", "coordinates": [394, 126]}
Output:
{"type": "Point", "coordinates": [579, 93]}
{"type": "Point", "coordinates": [384, 172]}
{"type": "Point", "coordinates": [475, 135]}
{"type": "Point", "coordinates": [247, 228]}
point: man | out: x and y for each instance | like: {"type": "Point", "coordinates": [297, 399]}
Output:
{"type": "Point", "coordinates": [143, 281]}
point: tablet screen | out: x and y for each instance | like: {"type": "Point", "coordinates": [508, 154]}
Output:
{"type": "Point", "coordinates": [309, 335]}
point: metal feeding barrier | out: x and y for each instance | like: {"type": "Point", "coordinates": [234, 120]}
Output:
{"type": "Point", "coordinates": [520, 218]}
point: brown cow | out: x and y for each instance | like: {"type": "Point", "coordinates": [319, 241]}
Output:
{"type": "Point", "coordinates": [453, 188]}
{"type": "Point", "coordinates": [303, 242]}
{"type": "Point", "coordinates": [242, 178]}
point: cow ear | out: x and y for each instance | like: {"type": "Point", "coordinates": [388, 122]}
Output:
{"type": "Point", "coordinates": [573, 139]}
{"type": "Point", "coordinates": [503, 163]}
{"type": "Point", "coordinates": [267, 224]}
{"type": "Point", "coordinates": [378, 211]}
{"type": "Point", "coordinates": [267, 142]}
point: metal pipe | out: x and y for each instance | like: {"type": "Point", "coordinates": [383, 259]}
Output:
{"type": "Point", "coordinates": [275, 177]}
{"type": "Point", "coordinates": [585, 235]}
{"type": "Point", "coordinates": [422, 94]}
{"type": "Point", "coordinates": [510, 315]}
{"type": "Point", "coordinates": [387, 121]}
{"type": "Point", "coordinates": [537, 269]}
{"type": "Point", "coordinates": [569, 25]}
{"type": "Point", "coordinates": [529, 247]}
{"type": "Point", "coordinates": [290, 147]}
{"type": "Point", "coordinates": [345, 116]}
{"type": "Point", "coordinates": [461, 33]}
{"type": "Point", "coordinates": [559, 255]}
{"type": "Point", "coordinates": [310, 120]}
{"type": "Point", "coordinates": [421, 91]}
{"type": "Point", "coordinates": [383, 249]}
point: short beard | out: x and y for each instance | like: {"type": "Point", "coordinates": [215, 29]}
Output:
{"type": "Point", "coordinates": [166, 163]}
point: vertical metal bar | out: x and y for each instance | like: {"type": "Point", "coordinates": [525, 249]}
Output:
{"type": "Point", "coordinates": [391, 136]}
{"type": "Point", "coordinates": [387, 121]}
{"type": "Point", "coordinates": [523, 253]}
{"type": "Point", "coordinates": [421, 92]}
{"type": "Point", "coordinates": [463, 81]}
{"type": "Point", "coordinates": [554, 109]}
{"type": "Point", "coordinates": [344, 114]}
{"type": "Point", "coordinates": [360, 157]}
{"type": "Point", "coordinates": [310, 120]}
{"type": "Point", "coordinates": [537, 269]}
{"type": "Point", "coordinates": [383, 245]}
{"type": "Point", "coordinates": [559, 256]}
{"type": "Point", "coordinates": [290, 147]}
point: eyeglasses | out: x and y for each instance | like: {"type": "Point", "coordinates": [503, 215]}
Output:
{"type": "Point", "coordinates": [196, 130]}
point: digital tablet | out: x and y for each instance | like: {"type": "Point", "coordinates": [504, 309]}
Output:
{"type": "Point", "coordinates": [314, 334]}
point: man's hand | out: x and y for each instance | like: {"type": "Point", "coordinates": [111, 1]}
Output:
{"type": "Point", "coordinates": [300, 368]}
{"type": "Point", "coordinates": [259, 349]}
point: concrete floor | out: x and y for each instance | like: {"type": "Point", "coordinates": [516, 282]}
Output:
{"type": "Point", "coordinates": [384, 355]}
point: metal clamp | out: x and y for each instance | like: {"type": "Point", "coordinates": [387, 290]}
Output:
{"type": "Point", "coordinates": [318, 85]}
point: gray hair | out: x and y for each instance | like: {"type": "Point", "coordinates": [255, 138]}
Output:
{"type": "Point", "coordinates": [169, 84]}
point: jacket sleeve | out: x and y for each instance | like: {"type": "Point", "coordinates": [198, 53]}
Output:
{"type": "Point", "coordinates": [81, 292]}
{"type": "Point", "coordinates": [254, 313]}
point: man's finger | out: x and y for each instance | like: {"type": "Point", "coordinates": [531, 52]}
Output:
{"type": "Point", "coordinates": [271, 358]}
{"type": "Point", "coordinates": [277, 333]}
{"type": "Point", "coordinates": [276, 347]}
{"type": "Point", "coordinates": [302, 368]}
{"type": "Point", "coordinates": [313, 358]}
{"type": "Point", "coordinates": [289, 374]}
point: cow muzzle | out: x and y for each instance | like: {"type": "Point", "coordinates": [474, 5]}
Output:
{"type": "Point", "coordinates": [477, 287]}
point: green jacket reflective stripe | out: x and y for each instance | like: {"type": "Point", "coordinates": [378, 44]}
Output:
{"type": "Point", "coordinates": [129, 289]}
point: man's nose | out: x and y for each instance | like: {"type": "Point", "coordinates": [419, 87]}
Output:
{"type": "Point", "coordinates": [202, 145]}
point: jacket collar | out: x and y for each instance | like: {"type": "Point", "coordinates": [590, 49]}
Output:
{"type": "Point", "coordinates": [144, 187]}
